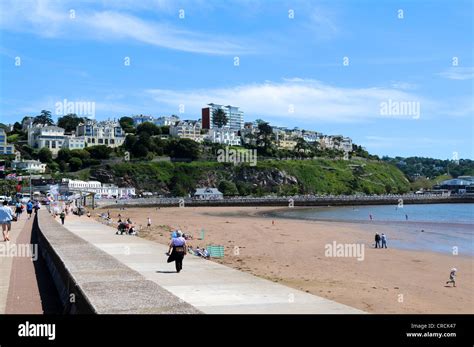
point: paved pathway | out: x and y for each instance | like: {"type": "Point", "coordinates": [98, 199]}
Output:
{"type": "Point", "coordinates": [208, 286]}
{"type": "Point", "coordinates": [6, 262]}
{"type": "Point", "coordinates": [25, 285]}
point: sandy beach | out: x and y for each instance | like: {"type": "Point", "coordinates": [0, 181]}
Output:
{"type": "Point", "coordinates": [292, 252]}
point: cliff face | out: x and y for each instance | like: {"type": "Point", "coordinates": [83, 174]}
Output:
{"type": "Point", "coordinates": [267, 177]}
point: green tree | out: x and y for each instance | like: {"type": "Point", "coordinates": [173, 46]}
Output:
{"type": "Point", "coordinates": [80, 153]}
{"type": "Point", "coordinates": [99, 152]}
{"type": "Point", "coordinates": [17, 127]}
{"type": "Point", "coordinates": [228, 188]}
{"type": "Point", "coordinates": [265, 136]}
{"type": "Point", "coordinates": [45, 155]}
{"type": "Point", "coordinates": [75, 164]}
{"type": "Point", "coordinates": [127, 124]}
{"type": "Point", "coordinates": [183, 148]}
{"type": "Point", "coordinates": [130, 141]}
{"type": "Point", "coordinates": [219, 118]}
{"type": "Point", "coordinates": [7, 187]}
{"type": "Point", "coordinates": [69, 122]}
{"type": "Point", "coordinates": [44, 118]}
{"type": "Point", "coordinates": [139, 150]}
{"type": "Point", "coordinates": [148, 128]}
{"type": "Point", "coordinates": [165, 130]}
{"type": "Point", "coordinates": [301, 147]}
{"type": "Point", "coordinates": [64, 154]}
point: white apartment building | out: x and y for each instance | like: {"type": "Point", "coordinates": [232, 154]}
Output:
{"type": "Point", "coordinates": [108, 133]}
{"type": "Point", "coordinates": [31, 166]}
{"type": "Point", "coordinates": [346, 144]}
{"type": "Point", "coordinates": [234, 115]}
{"type": "Point", "coordinates": [160, 121]}
{"type": "Point", "coordinates": [187, 129]}
{"type": "Point", "coordinates": [338, 142]}
{"type": "Point", "coordinates": [310, 136]}
{"type": "Point", "coordinates": [74, 142]}
{"type": "Point", "coordinates": [104, 190]}
{"type": "Point", "coordinates": [49, 136]}
{"type": "Point", "coordinates": [166, 121]}
{"type": "Point", "coordinates": [223, 137]}
{"type": "Point", "coordinates": [137, 120]}
{"type": "Point", "coordinates": [5, 148]}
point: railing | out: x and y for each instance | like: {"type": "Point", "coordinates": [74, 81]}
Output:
{"type": "Point", "coordinates": [308, 200]}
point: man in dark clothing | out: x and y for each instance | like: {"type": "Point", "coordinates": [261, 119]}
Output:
{"type": "Point", "coordinates": [377, 240]}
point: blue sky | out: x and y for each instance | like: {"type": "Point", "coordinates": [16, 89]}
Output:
{"type": "Point", "coordinates": [290, 71]}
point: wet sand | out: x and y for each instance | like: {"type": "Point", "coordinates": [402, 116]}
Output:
{"type": "Point", "coordinates": [292, 252]}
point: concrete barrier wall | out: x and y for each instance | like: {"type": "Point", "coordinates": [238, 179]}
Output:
{"type": "Point", "coordinates": [89, 280]}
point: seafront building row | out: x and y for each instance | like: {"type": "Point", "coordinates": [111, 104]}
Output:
{"type": "Point", "coordinates": [109, 133]}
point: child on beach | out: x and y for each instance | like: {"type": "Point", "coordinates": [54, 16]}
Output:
{"type": "Point", "coordinates": [149, 222]}
{"type": "Point", "coordinates": [452, 277]}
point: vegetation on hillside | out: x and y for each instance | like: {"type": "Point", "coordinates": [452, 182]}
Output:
{"type": "Point", "coordinates": [287, 177]}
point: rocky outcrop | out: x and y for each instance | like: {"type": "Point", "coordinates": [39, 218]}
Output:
{"type": "Point", "coordinates": [266, 178]}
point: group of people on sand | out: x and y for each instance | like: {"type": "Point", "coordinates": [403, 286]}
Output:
{"type": "Point", "coordinates": [200, 252]}
{"type": "Point", "coordinates": [380, 240]}
{"type": "Point", "coordinates": [125, 227]}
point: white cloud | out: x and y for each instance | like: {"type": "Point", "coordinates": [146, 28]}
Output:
{"type": "Point", "coordinates": [321, 23]}
{"type": "Point", "coordinates": [310, 99]}
{"type": "Point", "coordinates": [458, 73]}
{"type": "Point", "coordinates": [52, 20]}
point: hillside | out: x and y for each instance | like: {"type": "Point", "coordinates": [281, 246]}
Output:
{"type": "Point", "coordinates": [268, 177]}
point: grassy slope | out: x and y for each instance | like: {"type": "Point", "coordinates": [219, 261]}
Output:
{"type": "Point", "coordinates": [314, 176]}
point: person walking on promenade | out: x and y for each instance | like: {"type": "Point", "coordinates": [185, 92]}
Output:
{"type": "Point", "coordinates": [384, 240]}
{"type": "Point", "coordinates": [177, 250]}
{"type": "Point", "coordinates": [452, 277]}
{"type": "Point", "coordinates": [36, 207]}
{"type": "Point", "coordinates": [6, 218]}
{"type": "Point", "coordinates": [62, 216]}
{"type": "Point", "coordinates": [29, 209]}
{"type": "Point", "coordinates": [377, 240]}
{"type": "Point", "coordinates": [18, 209]}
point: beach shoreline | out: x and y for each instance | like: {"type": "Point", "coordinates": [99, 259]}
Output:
{"type": "Point", "coordinates": [292, 252]}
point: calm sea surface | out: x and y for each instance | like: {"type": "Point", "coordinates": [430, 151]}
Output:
{"type": "Point", "coordinates": [436, 213]}
{"type": "Point", "coordinates": [435, 227]}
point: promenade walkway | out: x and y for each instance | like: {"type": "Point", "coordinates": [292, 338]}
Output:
{"type": "Point", "coordinates": [206, 285]}
{"type": "Point", "coordinates": [25, 285]}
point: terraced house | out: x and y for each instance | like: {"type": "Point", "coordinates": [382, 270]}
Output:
{"type": "Point", "coordinates": [5, 148]}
